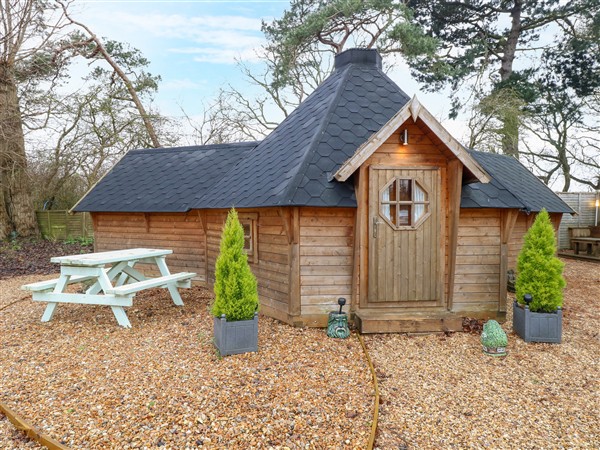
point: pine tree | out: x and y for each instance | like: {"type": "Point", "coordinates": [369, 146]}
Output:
{"type": "Point", "coordinates": [539, 271]}
{"type": "Point", "coordinates": [236, 293]}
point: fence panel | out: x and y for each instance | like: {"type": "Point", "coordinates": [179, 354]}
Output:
{"type": "Point", "coordinates": [62, 225]}
{"type": "Point", "coordinates": [584, 204]}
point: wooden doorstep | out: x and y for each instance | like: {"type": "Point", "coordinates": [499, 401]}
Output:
{"type": "Point", "coordinates": [377, 321]}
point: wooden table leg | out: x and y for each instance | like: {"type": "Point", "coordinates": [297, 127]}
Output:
{"type": "Point", "coordinates": [121, 316]}
{"type": "Point", "coordinates": [61, 284]}
{"type": "Point", "coordinates": [164, 270]}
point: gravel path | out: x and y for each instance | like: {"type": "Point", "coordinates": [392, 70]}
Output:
{"type": "Point", "coordinates": [88, 383]}
{"type": "Point", "coordinates": [442, 392]}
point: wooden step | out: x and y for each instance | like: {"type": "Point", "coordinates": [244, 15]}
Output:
{"type": "Point", "coordinates": [385, 321]}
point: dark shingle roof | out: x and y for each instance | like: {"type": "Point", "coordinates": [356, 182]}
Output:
{"type": "Point", "coordinates": [162, 180]}
{"type": "Point", "coordinates": [291, 166]}
{"type": "Point", "coordinates": [295, 163]}
{"type": "Point", "coordinates": [512, 186]}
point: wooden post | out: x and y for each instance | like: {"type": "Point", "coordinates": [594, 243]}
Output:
{"type": "Point", "coordinates": [362, 211]}
{"type": "Point", "coordinates": [508, 219]}
{"type": "Point", "coordinates": [203, 223]}
{"type": "Point", "coordinates": [95, 228]}
{"type": "Point", "coordinates": [455, 169]}
{"type": "Point", "coordinates": [147, 222]}
{"type": "Point", "coordinates": [295, 307]}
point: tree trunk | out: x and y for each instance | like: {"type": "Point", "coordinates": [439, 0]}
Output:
{"type": "Point", "coordinates": [17, 206]}
{"type": "Point", "coordinates": [510, 129]}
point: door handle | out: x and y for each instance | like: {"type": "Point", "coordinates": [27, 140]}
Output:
{"type": "Point", "coordinates": [376, 223]}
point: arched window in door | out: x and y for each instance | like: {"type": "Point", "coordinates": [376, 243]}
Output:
{"type": "Point", "coordinates": [404, 203]}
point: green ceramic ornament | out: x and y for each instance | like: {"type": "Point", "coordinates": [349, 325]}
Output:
{"type": "Point", "coordinates": [493, 339]}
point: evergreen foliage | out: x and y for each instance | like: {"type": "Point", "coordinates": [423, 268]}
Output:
{"type": "Point", "coordinates": [539, 271]}
{"type": "Point", "coordinates": [236, 293]}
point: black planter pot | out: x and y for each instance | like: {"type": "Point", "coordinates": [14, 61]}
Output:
{"type": "Point", "coordinates": [236, 337]}
{"type": "Point", "coordinates": [537, 326]}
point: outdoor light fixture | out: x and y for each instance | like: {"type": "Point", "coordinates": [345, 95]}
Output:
{"type": "Point", "coordinates": [404, 137]}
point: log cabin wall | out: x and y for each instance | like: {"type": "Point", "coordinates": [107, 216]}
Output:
{"type": "Point", "coordinates": [184, 234]}
{"type": "Point", "coordinates": [326, 261]}
{"type": "Point", "coordinates": [271, 268]}
{"type": "Point", "coordinates": [179, 232]}
{"type": "Point", "coordinates": [478, 260]}
{"type": "Point", "coordinates": [522, 224]}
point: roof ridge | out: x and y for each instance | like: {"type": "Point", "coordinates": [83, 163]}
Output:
{"type": "Point", "coordinates": [295, 184]}
{"type": "Point", "coordinates": [194, 148]}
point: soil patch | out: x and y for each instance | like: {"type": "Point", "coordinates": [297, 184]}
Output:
{"type": "Point", "coordinates": [32, 256]}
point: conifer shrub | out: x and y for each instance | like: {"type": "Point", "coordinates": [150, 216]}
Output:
{"type": "Point", "coordinates": [539, 271]}
{"type": "Point", "coordinates": [236, 293]}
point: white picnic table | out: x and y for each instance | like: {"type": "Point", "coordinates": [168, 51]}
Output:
{"type": "Point", "coordinates": [113, 285]}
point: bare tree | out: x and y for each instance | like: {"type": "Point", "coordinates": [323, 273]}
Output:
{"type": "Point", "coordinates": [98, 49]}
{"type": "Point", "coordinates": [235, 115]}
{"type": "Point", "coordinates": [27, 30]}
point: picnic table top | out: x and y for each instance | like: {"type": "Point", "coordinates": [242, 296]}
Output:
{"type": "Point", "coordinates": [100, 258]}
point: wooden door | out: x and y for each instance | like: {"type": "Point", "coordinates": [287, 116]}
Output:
{"type": "Point", "coordinates": [404, 237]}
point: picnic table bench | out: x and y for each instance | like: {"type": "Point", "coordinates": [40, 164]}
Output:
{"type": "Point", "coordinates": [591, 245]}
{"type": "Point", "coordinates": [118, 283]}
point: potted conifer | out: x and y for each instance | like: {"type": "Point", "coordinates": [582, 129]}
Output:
{"type": "Point", "coordinates": [537, 311]}
{"type": "Point", "coordinates": [235, 308]}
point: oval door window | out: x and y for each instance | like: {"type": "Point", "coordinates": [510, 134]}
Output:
{"type": "Point", "coordinates": [404, 203]}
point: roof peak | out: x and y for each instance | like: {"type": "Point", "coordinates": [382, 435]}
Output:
{"type": "Point", "coordinates": [363, 56]}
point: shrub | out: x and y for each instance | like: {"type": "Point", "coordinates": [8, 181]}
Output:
{"type": "Point", "coordinates": [539, 271]}
{"type": "Point", "coordinates": [236, 293]}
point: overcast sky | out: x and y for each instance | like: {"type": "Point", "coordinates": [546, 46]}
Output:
{"type": "Point", "coordinates": [193, 45]}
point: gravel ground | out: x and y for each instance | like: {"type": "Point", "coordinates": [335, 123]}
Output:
{"type": "Point", "coordinates": [442, 392]}
{"type": "Point", "coordinates": [88, 383]}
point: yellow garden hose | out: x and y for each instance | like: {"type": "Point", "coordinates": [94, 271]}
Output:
{"type": "Point", "coordinates": [371, 442]}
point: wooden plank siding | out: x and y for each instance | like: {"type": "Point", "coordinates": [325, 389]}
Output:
{"type": "Point", "coordinates": [326, 260]}
{"type": "Point", "coordinates": [477, 278]}
{"type": "Point", "coordinates": [181, 233]}
{"type": "Point", "coordinates": [584, 204]}
{"type": "Point", "coordinates": [196, 250]}
{"type": "Point", "coordinates": [272, 271]}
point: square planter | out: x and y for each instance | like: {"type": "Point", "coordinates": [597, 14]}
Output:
{"type": "Point", "coordinates": [536, 326]}
{"type": "Point", "coordinates": [236, 337]}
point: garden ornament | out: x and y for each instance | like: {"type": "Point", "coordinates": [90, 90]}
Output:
{"type": "Point", "coordinates": [493, 339]}
{"type": "Point", "coordinates": [337, 325]}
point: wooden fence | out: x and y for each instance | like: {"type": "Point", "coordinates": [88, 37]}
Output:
{"type": "Point", "coordinates": [584, 204]}
{"type": "Point", "coordinates": [62, 225]}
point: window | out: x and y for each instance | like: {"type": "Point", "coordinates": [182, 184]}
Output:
{"type": "Point", "coordinates": [249, 223]}
{"type": "Point", "coordinates": [248, 244]}
{"type": "Point", "coordinates": [404, 203]}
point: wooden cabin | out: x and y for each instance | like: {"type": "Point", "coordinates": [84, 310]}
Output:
{"type": "Point", "coordinates": [359, 193]}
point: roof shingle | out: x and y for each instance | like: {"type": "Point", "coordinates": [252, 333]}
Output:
{"type": "Point", "coordinates": [295, 163]}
